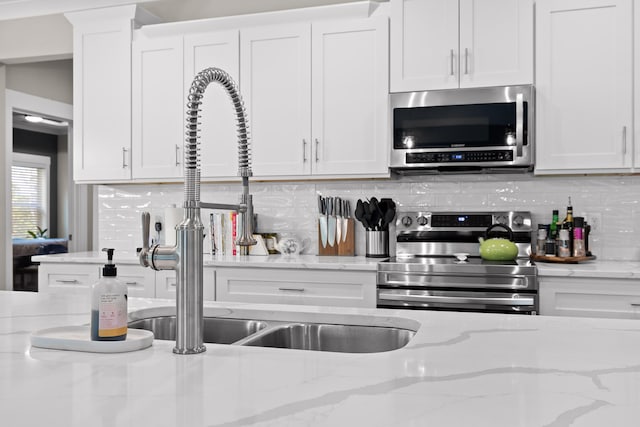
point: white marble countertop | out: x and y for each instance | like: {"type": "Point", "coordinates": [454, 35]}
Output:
{"type": "Point", "coordinates": [460, 369]}
{"type": "Point", "coordinates": [270, 261]}
{"type": "Point", "coordinates": [595, 268]}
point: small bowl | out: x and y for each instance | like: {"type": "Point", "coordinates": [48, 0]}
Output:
{"type": "Point", "coordinates": [461, 256]}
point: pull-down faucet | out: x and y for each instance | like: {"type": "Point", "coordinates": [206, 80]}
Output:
{"type": "Point", "coordinates": [186, 257]}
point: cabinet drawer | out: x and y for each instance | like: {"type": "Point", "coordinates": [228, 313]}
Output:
{"type": "Point", "coordinates": [69, 278]}
{"type": "Point", "coordinates": [140, 281]}
{"type": "Point", "coordinates": [590, 297]}
{"type": "Point", "coordinates": [166, 284]}
{"type": "Point", "coordinates": [304, 287]}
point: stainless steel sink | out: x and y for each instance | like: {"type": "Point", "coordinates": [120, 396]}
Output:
{"type": "Point", "coordinates": [289, 333]}
{"type": "Point", "coordinates": [338, 338]}
{"type": "Point", "coordinates": [217, 330]}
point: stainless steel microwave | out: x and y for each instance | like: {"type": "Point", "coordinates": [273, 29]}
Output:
{"type": "Point", "coordinates": [463, 130]}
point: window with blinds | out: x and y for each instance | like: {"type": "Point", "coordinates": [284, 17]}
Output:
{"type": "Point", "coordinates": [29, 194]}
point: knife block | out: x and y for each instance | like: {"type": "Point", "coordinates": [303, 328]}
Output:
{"type": "Point", "coordinates": [348, 246]}
{"type": "Point", "coordinates": [342, 248]}
{"type": "Point", "coordinates": [328, 250]}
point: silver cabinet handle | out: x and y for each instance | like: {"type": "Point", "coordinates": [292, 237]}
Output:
{"type": "Point", "coordinates": [317, 144]}
{"type": "Point", "coordinates": [635, 304]}
{"type": "Point", "coordinates": [466, 60]}
{"type": "Point", "coordinates": [131, 283]}
{"type": "Point", "coordinates": [304, 150]}
{"type": "Point", "coordinates": [451, 60]}
{"type": "Point", "coordinates": [624, 140]}
{"type": "Point", "coordinates": [291, 289]}
{"type": "Point", "coordinates": [68, 281]}
{"type": "Point", "coordinates": [177, 155]}
{"type": "Point", "coordinates": [124, 157]}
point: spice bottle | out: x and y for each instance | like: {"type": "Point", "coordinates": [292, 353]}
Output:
{"type": "Point", "coordinates": [563, 243]}
{"type": "Point", "coordinates": [541, 239]}
{"type": "Point", "coordinates": [568, 221]}
{"type": "Point", "coordinates": [578, 237]}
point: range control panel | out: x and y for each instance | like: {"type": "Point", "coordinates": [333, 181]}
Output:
{"type": "Point", "coordinates": [434, 221]}
{"type": "Point", "coordinates": [460, 156]}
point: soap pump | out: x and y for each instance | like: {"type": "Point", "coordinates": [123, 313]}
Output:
{"type": "Point", "coordinates": [109, 304]}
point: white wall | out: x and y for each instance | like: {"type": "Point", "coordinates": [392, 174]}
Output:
{"type": "Point", "coordinates": [49, 79]}
{"type": "Point", "coordinates": [41, 38]}
{"type": "Point", "coordinates": [292, 207]}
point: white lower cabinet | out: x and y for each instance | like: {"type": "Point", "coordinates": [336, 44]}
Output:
{"type": "Point", "coordinates": [76, 278]}
{"type": "Point", "coordinates": [590, 297]}
{"type": "Point", "coordinates": [299, 286]}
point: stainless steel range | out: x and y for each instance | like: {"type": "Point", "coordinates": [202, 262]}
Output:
{"type": "Point", "coordinates": [425, 274]}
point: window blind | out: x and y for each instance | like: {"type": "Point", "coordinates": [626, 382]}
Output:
{"type": "Point", "coordinates": [29, 186]}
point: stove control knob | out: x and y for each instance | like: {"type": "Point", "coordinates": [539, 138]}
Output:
{"type": "Point", "coordinates": [422, 220]}
{"type": "Point", "coordinates": [518, 221]}
{"type": "Point", "coordinates": [502, 219]}
{"type": "Point", "coordinates": [406, 221]}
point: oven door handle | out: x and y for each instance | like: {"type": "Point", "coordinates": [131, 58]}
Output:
{"type": "Point", "coordinates": [520, 301]}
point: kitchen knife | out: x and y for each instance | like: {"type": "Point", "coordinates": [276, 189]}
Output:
{"type": "Point", "coordinates": [331, 222]}
{"type": "Point", "coordinates": [322, 219]}
{"type": "Point", "coordinates": [338, 203]}
{"type": "Point", "coordinates": [346, 207]}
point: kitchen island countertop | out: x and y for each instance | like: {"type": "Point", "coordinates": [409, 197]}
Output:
{"type": "Point", "coordinates": [460, 369]}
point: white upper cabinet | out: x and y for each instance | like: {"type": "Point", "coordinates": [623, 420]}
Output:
{"type": "Point", "coordinates": [443, 44]}
{"type": "Point", "coordinates": [218, 137]}
{"type": "Point", "coordinates": [584, 81]}
{"type": "Point", "coordinates": [276, 86]}
{"type": "Point", "coordinates": [321, 108]}
{"type": "Point", "coordinates": [102, 92]}
{"type": "Point", "coordinates": [350, 124]}
{"type": "Point", "coordinates": [157, 131]}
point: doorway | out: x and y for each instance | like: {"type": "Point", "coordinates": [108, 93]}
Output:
{"type": "Point", "coordinates": [76, 198]}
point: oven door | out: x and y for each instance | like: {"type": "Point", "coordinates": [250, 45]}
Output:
{"type": "Point", "coordinates": [458, 300]}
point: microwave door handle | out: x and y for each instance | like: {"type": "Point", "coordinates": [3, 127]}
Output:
{"type": "Point", "coordinates": [519, 124]}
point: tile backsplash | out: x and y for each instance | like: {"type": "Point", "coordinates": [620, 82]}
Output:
{"type": "Point", "coordinates": [610, 203]}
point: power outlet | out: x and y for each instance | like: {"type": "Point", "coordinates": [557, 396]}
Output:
{"type": "Point", "coordinates": [595, 220]}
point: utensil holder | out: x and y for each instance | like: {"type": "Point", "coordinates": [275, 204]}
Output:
{"type": "Point", "coordinates": [377, 244]}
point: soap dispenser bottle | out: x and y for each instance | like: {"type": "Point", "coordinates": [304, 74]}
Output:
{"type": "Point", "coordinates": [109, 305]}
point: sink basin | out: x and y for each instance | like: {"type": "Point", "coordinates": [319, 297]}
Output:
{"type": "Point", "coordinates": [290, 330]}
{"type": "Point", "coordinates": [338, 338]}
{"type": "Point", "coordinates": [217, 330]}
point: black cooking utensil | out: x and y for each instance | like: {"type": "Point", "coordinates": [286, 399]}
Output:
{"type": "Point", "coordinates": [360, 213]}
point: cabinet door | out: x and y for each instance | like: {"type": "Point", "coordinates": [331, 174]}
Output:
{"type": "Point", "coordinates": [219, 146]}
{"type": "Point", "coordinates": [157, 130]}
{"type": "Point", "coordinates": [583, 89]}
{"type": "Point", "coordinates": [350, 97]}
{"type": "Point", "coordinates": [424, 45]}
{"type": "Point", "coordinates": [102, 100]}
{"type": "Point", "coordinates": [275, 80]}
{"type": "Point", "coordinates": [496, 42]}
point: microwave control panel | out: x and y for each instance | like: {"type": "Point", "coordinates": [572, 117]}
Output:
{"type": "Point", "coordinates": [460, 156]}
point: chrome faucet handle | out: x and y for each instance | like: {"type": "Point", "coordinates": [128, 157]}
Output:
{"type": "Point", "coordinates": [144, 253]}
